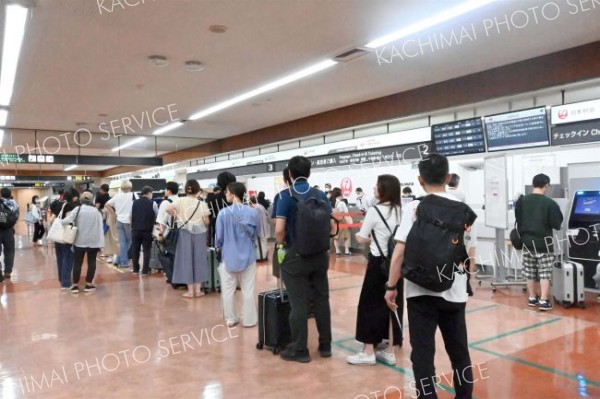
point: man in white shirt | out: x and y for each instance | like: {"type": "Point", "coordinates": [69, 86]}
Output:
{"type": "Point", "coordinates": [362, 202]}
{"type": "Point", "coordinates": [428, 309]}
{"type": "Point", "coordinates": [163, 218]}
{"type": "Point", "coordinates": [120, 205]}
{"type": "Point", "coordinates": [453, 187]}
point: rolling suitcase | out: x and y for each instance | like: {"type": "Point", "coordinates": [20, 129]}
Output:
{"type": "Point", "coordinates": [274, 331]}
{"type": "Point", "coordinates": [567, 284]}
{"type": "Point", "coordinates": [214, 282]}
{"type": "Point", "coordinates": [154, 253]}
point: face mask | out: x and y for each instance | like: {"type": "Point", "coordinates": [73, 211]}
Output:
{"type": "Point", "coordinates": [37, 201]}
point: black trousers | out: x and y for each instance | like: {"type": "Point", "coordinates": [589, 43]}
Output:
{"type": "Point", "coordinates": [425, 314]}
{"type": "Point", "coordinates": [7, 243]}
{"type": "Point", "coordinates": [38, 231]}
{"type": "Point", "coordinates": [373, 317]}
{"type": "Point", "coordinates": [141, 239]}
{"type": "Point", "coordinates": [78, 263]}
{"type": "Point", "coordinates": [298, 274]}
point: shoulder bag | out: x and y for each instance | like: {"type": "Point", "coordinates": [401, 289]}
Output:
{"type": "Point", "coordinates": [515, 237]}
{"type": "Point", "coordinates": [387, 260]}
{"type": "Point", "coordinates": [57, 229]}
{"type": "Point", "coordinates": [70, 230]}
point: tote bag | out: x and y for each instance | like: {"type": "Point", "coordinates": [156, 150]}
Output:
{"type": "Point", "coordinates": [57, 229]}
{"type": "Point", "coordinates": [70, 231]}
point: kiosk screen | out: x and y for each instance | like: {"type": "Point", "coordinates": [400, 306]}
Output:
{"type": "Point", "coordinates": [585, 209]}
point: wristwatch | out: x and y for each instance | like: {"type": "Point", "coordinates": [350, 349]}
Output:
{"type": "Point", "coordinates": [390, 288]}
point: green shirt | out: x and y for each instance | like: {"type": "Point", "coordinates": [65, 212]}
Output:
{"type": "Point", "coordinates": [538, 216]}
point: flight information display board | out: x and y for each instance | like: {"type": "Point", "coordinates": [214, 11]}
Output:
{"type": "Point", "coordinates": [520, 129]}
{"type": "Point", "coordinates": [459, 137]}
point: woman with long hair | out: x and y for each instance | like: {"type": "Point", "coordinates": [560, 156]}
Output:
{"type": "Point", "coordinates": [191, 254]}
{"type": "Point", "coordinates": [60, 208]}
{"type": "Point", "coordinates": [38, 226]}
{"type": "Point", "coordinates": [374, 317]}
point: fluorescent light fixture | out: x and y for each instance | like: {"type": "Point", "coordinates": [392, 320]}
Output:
{"type": "Point", "coordinates": [70, 167]}
{"type": "Point", "coordinates": [167, 128]}
{"type": "Point", "coordinates": [428, 22]}
{"type": "Point", "coordinates": [265, 88]}
{"type": "Point", "coordinates": [129, 144]}
{"type": "Point", "coordinates": [3, 117]}
{"type": "Point", "coordinates": [14, 31]}
{"type": "Point", "coordinates": [1, 136]}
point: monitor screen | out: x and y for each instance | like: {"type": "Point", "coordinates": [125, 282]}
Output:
{"type": "Point", "coordinates": [459, 137]}
{"type": "Point", "coordinates": [585, 210]}
{"type": "Point", "coordinates": [520, 129]}
{"type": "Point", "coordinates": [588, 205]}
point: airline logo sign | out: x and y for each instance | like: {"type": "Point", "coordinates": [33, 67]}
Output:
{"type": "Point", "coordinates": [346, 187]}
{"type": "Point", "coordinates": [576, 112]}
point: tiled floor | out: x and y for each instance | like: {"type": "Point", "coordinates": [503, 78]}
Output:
{"type": "Point", "coordinates": [138, 338]}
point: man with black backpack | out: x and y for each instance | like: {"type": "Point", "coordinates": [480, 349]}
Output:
{"type": "Point", "coordinates": [431, 250]}
{"type": "Point", "coordinates": [9, 215]}
{"type": "Point", "coordinates": [302, 231]}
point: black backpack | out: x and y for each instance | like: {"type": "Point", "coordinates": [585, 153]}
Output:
{"type": "Point", "coordinates": [391, 244]}
{"type": "Point", "coordinates": [8, 217]}
{"type": "Point", "coordinates": [312, 231]}
{"type": "Point", "coordinates": [435, 244]}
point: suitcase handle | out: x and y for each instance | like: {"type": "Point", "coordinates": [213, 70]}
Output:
{"type": "Point", "coordinates": [280, 286]}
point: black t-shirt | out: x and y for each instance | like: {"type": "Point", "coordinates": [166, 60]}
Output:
{"type": "Point", "coordinates": [57, 205]}
{"type": "Point", "coordinates": [102, 199]}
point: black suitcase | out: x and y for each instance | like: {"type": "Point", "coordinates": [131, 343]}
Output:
{"type": "Point", "coordinates": [274, 331]}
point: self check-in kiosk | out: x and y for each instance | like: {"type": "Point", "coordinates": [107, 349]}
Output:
{"type": "Point", "coordinates": [583, 234]}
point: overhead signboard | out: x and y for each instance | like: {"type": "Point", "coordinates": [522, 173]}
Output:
{"type": "Point", "coordinates": [364, 143]}
{"type": "Point", "coordinates": [388, 156]}
{"type": "Point", "coordinates": [575, 112]}
{"type": "Point", "coordinates": [6, 158]}
{"type": "Point", "coordinates": [576, 133]}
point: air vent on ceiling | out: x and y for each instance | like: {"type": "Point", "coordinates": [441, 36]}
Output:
{"type": "Point", "coordinates": [350, 55]}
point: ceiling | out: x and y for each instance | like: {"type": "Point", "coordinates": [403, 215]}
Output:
{"type": "Point", "coordinates": [80, 61]}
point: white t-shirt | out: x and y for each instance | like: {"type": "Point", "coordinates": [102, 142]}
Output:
{"type": "Point", "coordinates": [458, 291]}
{"type": "Point", "coordinates": [122, 203]}
{"type": "Point", "coordinates": [373, 221]}
{"type": "Point", "coordinates": [363, 203]}
{"type": "Point", "coordinates": [187, 208]}
{"type": "Point", "coordinates": [457, 193]}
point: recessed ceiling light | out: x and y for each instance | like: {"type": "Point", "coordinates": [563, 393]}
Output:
{"type": "Point", "coordinates": [158, 60]}
{"type": "Point", "coordinates": [102, 115]}
{"type": "Point", "coordinates": [80, 123]}
{"type": "Point", "coordinates": [194, 66]}
{"type": "Point", "coordinates": [218, 28]}
{"type": "Point", "coordinates": [315, 68]}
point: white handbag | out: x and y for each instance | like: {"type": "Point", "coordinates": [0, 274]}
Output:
{"type": "Point", "coordinates": [70, 231]}
{"type": "Point", "coordinates": [57, 229]}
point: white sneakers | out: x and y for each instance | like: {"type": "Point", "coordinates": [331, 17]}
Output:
{"type": "Point", "coordinates": [386, 357]}
{"type": "Point", "coordinates": [362, 359]}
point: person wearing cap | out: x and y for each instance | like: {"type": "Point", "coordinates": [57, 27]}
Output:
{"type": "Point", "coordinates": [88, 241]}
{"type": "Point", "coordinates": [143, 216]}
{"type": "Point", "coordinates": [121, 205]}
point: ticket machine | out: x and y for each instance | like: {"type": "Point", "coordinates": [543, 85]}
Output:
{"type": "Point", "coordinates": [583, 234]}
